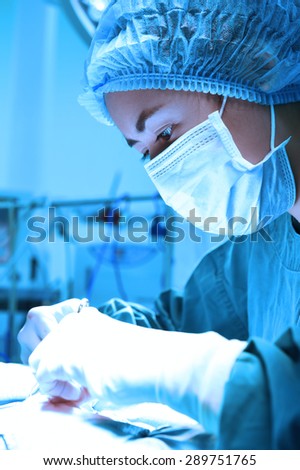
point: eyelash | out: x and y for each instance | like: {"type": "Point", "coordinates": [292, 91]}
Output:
{"type": "Point", "coordinates": [166, 134]}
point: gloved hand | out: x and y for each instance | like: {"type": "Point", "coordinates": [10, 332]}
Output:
{"type": "Point", "coordinates": [122, 364]}
{"type": "Point", "coordinates": [39, 322]}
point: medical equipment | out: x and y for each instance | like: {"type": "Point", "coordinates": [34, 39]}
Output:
{"type": "Point", "coordinates": [83, 304]}
{"type": "Point", "coordinates": [23, 276]}
{"type": "Point", "coordinates": [77, 267]}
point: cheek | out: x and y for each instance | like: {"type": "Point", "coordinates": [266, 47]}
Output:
{"type": "Point", "coordinates": [252, 141]}
{"type": "Point", "coordinates": [196, 111]}
{"type": "Point", "coordinates": [250, 127]}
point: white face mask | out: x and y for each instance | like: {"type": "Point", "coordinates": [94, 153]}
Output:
{"type": "Point", "coordinates": [204, 178]}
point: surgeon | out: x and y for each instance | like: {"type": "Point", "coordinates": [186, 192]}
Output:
{"type": "Point", "coordinates": [208, 92]}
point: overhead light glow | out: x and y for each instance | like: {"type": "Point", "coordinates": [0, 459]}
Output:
{"type": "Point", "coordinates": [98, 4]}
{"type": "Point", "coordinates": [89, 12]}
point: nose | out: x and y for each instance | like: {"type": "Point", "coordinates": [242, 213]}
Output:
{"type": "Point", "coordinates": [153, 151]}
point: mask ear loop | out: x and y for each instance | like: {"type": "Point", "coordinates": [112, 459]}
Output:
{"type": "Point", "coordinates": [273, 127]}
{"type": "Point", "coordinates": [223, 106]}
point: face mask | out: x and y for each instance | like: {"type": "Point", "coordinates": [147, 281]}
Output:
{"type": "Point", "coordinates": [205, 179]}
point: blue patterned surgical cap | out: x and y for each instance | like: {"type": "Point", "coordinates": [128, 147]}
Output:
{"type": "Point", "coordinates": [247, 49]}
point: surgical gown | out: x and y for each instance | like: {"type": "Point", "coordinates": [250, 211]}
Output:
{"type": "Point", "coordinates": [248, 289]}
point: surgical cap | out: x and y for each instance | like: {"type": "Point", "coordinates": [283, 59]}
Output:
{"type": "Point", "coordinates": [246, 49]}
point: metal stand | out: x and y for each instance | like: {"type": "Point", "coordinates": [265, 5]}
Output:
{"type": "Point", "coordinates": [12, 301]}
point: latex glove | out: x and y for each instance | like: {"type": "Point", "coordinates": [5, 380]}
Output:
{"type": "Point", "coordinates": [122, 364]}
{"type": "Point", "coordinates": [39, 322]}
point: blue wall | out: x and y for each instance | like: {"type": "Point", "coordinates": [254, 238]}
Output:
{"type": "Point", "coordinates": [49, 144]}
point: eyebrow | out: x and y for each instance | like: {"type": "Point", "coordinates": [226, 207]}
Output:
{"type": "Point", "coordinates": [146, 114]}
{"type": "Point", "coordinates": [141, 122]}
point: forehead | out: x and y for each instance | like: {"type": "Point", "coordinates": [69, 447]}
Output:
{"type": "Point", "coordinates": [125, 106]}
{"type": "Point", "coordinates": [137, 99]}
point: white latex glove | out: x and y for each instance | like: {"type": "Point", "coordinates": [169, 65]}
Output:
{"type": "Point", "coordinates": [122, 364]}
{"type": "Point", "coordinates": [39, 322]}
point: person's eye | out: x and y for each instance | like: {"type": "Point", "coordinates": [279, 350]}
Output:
{"type": "Point", "coordinates": [166, 134]}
